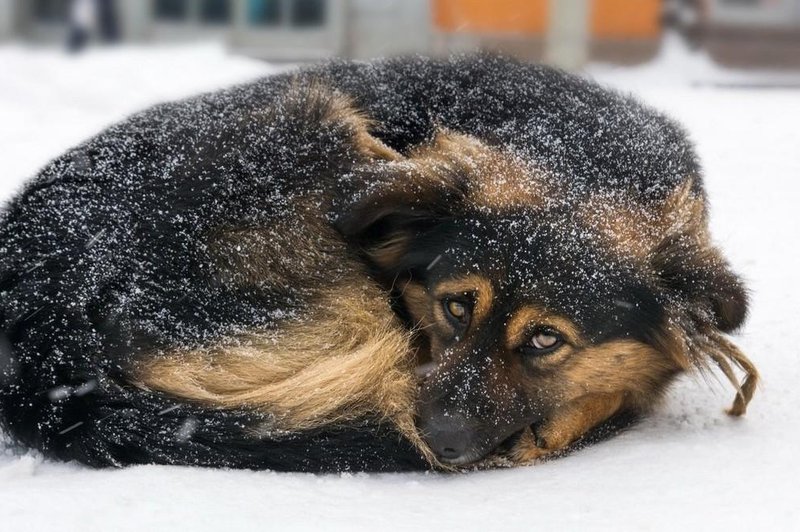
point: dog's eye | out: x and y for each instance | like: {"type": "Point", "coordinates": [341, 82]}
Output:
{"type": "Point", "coordinates": [543, 341]}
{"type": "Point", "coordinates": [457, 311]}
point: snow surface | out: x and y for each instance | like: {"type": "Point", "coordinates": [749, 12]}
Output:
{"type": "Point", "coordinates": [688, 466]}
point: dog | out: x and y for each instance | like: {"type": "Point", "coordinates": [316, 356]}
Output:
{"type": "Point", "coordinates": [405, 264]}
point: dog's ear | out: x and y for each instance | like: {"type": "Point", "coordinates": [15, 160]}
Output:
{"type": "Point", "coordinates": [325, 121]}
{"type": "Point", "coordinates": [400, 202]}
{"type": "Point", "coordinates": [341, 110]}
{"type": "Point", "coordinates": [690, 265]}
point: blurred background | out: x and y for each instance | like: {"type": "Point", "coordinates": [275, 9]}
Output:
{"type": "Point", "coordinates": [743, 34]}
{"type": "Point", "coordinates": [69, 68]}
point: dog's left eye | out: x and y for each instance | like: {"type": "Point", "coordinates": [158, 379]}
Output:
{"type": "Point", "coordinates": [542, 342]}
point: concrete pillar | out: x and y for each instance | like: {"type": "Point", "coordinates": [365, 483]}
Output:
{"type": "Point", "coordinates": [134, 19]}
{"type": "Point", "coordinates": [7, 19]}
{"type": "Point", "coordinates": [567, 43]}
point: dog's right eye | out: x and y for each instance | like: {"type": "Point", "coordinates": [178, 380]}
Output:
{"type": "Point", "coordinates": [458, 312]}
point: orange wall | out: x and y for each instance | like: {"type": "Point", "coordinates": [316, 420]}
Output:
{"type": "Point", "coordinates": [608, 18]}
{"type": "Point", "coordinates": [490, 16]}
{"type": "Point", "coordinates": [625, 18]}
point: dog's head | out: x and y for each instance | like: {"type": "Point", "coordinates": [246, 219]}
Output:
{"type": "Point", "coordinates": [527, 293]}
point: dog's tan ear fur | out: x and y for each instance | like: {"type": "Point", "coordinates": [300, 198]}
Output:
{"type": "Point", "coordinates": [714, 298]}
{"type": "Point", "coordinates": [688, 262]}
{"type": "Point", "coordinates": [342, 110]}
{"type": "Point", "coordinates": [684, 212]}
{"type": "Point", "coordinates": [324, 108]}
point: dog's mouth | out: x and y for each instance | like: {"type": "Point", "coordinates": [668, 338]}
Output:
{"type": "Point", "coordinates": [501, 448]}
{"type": "Point", "coordinates": [509, 443]}
{"type": "Point", "coordinates": [484, 448]}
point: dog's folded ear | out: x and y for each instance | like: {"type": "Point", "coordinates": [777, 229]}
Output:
{"type": "Point", "coordinates": [715, 294]}
{"type": "Point", "coordinates": [322, 119]}
{"type": "Point", "coordinates": [398, 203]}
{"type": "Point", "coordinates": [690, 265]}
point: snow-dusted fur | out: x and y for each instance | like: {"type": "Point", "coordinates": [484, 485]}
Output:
{"type": "Point", "coordinates": [164, 284]}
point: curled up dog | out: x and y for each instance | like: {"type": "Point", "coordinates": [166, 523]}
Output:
{"type": "Point", "coordinates": [402, 265]}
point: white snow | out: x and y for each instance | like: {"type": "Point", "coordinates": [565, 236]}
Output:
{"type": "Point", "coordinates": [687, 467]}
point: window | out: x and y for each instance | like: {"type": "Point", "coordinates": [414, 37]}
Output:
{"type": "Point", "coordinates": [292, 13]}
{"type": "Point", "coordinates": [51, 10]}
{"type": "Point", "coordinates": [172, 10]}
{"type": "Point", "coordinates": [194, 11]}
{"type": "Point", "coordinates": [308, 13]}
{"type": "Point", "coordinates": [264, 12]}
{"type": "Point", "coordinates": [215, 11]}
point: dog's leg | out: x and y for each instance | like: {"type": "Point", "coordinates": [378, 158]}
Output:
{"type": "Point", "coordinates": [567, 425]}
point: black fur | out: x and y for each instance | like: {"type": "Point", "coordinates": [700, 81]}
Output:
{"type": "Point", "coordinates": [103, 257]}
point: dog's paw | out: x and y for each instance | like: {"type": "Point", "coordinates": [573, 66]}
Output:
{"type": "Point", "coordinates": [530, 448]}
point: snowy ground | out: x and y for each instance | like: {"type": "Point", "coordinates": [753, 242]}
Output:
{"type": "Point", "coordinates": [688, 467]}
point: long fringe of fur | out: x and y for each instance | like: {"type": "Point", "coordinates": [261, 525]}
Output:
{"type": "Point", "coordinates": [726, 356]}
{"type": "Point", "coordinates": [705, 345]}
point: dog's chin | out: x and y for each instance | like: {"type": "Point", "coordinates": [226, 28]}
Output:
{"type": "Point", "coordinates": [474, 456]}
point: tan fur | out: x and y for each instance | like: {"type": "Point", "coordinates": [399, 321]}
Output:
{"type": "Point", "coordinates": [630, 230]}
{"type": "Point", "coordinates": [314, 100]}
{"type": "Point", "coordinates": [566, 426]}
{"type": "Point", "coordinates": [707, 345]}
{"type": "Point", "coordinates": [415, 298]}
{"type": "Point", "coordinates": [627, 366]}
{"type": "Point", "coordinates": [390, 250]}
{"type": "Point", "coordinates": [635, 230]}
{"type": "Point", "coordinates": [592, 385]}
{"type": "Point", "coordinates": [418, 303]}
{"type": "Point", "coordinates": [341, 110]}
{"type": "Point", "coordinates": [348, 358]}
{"type": "Point", "coordinates": [497, 180]}
{"type": "Point", "coordinates": [684, 212]}
{"type": "Point", "coordinates": [726, 350]}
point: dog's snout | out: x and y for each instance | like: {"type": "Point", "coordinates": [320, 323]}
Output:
{"type": "Point", "coordinates": [451, 438]}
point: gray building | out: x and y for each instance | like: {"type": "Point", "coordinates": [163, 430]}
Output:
{"type": "Point", "coordinates": [271, 29]}
{"type": "Point", "coordinates": [752, 32]}
{"type": "Point", "coordinates": [762, 33]}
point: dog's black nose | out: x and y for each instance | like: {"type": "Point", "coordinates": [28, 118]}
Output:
{"type": "Point", "coordinates": [450, 438]}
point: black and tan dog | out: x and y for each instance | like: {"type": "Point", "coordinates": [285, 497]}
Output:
{"type": "Point", "coordinates": [398, 265]}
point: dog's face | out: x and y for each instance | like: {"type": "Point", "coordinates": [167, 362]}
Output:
{"type": "Point", "coordinates": [517, 320]}
{"type": "Point", "coordinates": [525, 300]}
